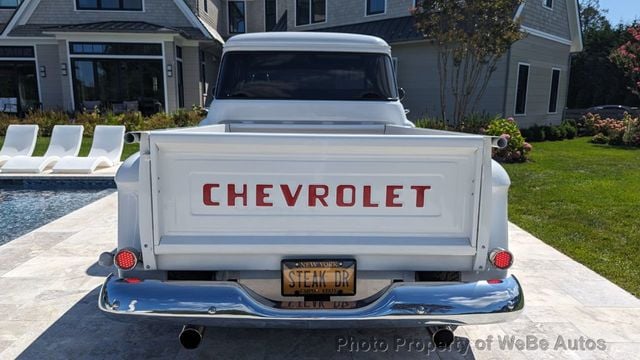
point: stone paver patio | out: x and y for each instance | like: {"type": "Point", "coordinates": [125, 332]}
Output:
{"type": "Point", "coordinates": [49, 284]}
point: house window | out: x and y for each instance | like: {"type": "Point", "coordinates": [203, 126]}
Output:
{"type": "Point", "coordinates": [128, 5]}
{"type": "Point", "coordinates": [521, 89]}
{"type": "Point", "coordinates": [548, 4]}
{"type": "Point", "coordinates": [9, 4]}
{"type": "Point", "coordinates": [310, 12]}
{"type": "Point", "coordinates": [84, 48]}
{"type": "Point", "coordinates": [180, 77]}
{"type": "Point", "coordinates": [16, 52]}
{"type": "Point", "coordinates": [203, 73]}
{"type": "Point", "coordinates": [375, 7]}
{"type": "Point", "coordinates": [206, 6]}
{"type": "Point", "coordinates": [270, 14]}
{"type": "Point", "coordinates": [555, 87]}
{"type": "Point", "coordinates": [113, 83]}
{"type": "Point", "coordinates": [236, 17]}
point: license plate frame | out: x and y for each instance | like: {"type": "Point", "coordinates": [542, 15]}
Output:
{"type": "Point", "coordinates": [346, 267]}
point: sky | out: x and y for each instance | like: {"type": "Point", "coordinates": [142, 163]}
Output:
{"type": "Point", "coordinates": [621, 10]}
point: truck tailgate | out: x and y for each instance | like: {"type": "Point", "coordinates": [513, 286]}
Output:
{"type": "Point", "coordinates": [229, 201]}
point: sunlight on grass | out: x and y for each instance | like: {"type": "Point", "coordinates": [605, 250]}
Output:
{"type": "Point", "coordinates": [584, 200]}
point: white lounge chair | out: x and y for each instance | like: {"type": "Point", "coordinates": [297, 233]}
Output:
{"type": "Point", "coordinates": [19, 141]}
{"type": "Point", "coordinates": [65, 141]}
{"type": "Point", "coordinates": [106, 150]}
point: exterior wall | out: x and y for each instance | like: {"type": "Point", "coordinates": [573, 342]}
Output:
{"type": "Point", "coordinates": [553, 21]}
{"type": "Point", "coordinates": [349, 12]}
{"type": "Point", "coordinates": [254, 16]}
{"type": "Point", "coordinates": [51, 96]}
{"type": "Point", "coordinates": [418, 76]}
{"type": "Point", "coordinates": [161, 12]}
{"type": "Point", "coordinates": [65, 80]}
{"type": "Point", "coordinates": [542, 55]}
{"type": "Point", "coordinates": [5, 15]}
{"type": "Point", "coordinates": [171, 83]}
{"type": "Point", "coordinates": [212, 16]}
{"type": "Point", "coordinates": [191, 76]}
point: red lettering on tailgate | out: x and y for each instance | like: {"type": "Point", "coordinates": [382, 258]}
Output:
{"type": "Point", "coordinates": [207, 191]}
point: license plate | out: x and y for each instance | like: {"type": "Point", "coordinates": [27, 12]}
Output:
{"type": "Point", "coordinates": [318, 277]}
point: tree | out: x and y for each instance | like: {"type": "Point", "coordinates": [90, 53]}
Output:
{"type": "Point", "coordinates": [592, 16]}
{"type": "Point", "coordinates": [595, 79]}
{"type": "Point", "coordinates": [471, 36]}
{"type": "Point", "coordinates": [627, 58]}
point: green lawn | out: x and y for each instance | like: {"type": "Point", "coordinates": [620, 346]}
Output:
{"type": "Point", "coordinates": [43, 143]}
{"type": "Point", "coordinates": [584, 200]}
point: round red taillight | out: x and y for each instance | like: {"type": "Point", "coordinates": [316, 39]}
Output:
{"type": "Point", "coordinates": [500, 258]}
{"type": "Point", "coordinates": [126, 259]}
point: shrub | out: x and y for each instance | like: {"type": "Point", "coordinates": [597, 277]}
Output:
{"type": "Point", "coordinates": [600, 138]}
{"type": "Point", "coordinates": [133, 120]}
{"type": "Point", "coordinates": [475, 123]}
{"type": "Point", "coordinates": [555, 133]}
{"type": "Point", "coordinates": [431, 123]}
{"type": "Point", "coordinates": [631, 135]}
{"type": "Point", "coordinates": [46, 120]}
{"type": "Point", "coordinates": [157, 121]}
{"type": "Point", "coordinates": [5, 121]}
{"type": "Point", "coordinates": [517, 149]}
{"type": "Point", "coordinates": [535, 133]}
{"type": "Point", "coordinates": [187, 118]}
{"type": "Point", "coordinates": [570, 130]}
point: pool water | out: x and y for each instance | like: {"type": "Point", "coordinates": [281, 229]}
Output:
{"type": "Point", "coordinates": [25, 207]}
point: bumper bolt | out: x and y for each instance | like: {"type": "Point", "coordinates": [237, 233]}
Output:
{"type": "Point", "coordinates": [212, 310]}
{"type": "Point", "coordinates": [420, 310]}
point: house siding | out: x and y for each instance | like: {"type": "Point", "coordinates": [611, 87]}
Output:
{"type": "Point", "coordinates": [418, 76]}
{"type": "Point", "coordinates": [48, 56]}
{"type": "Point", "coordinates": [553, 21]}
{"type": "Point", "coordinates": [542, 55]}
{"type": "Point", "coordinates": [160, 12]}
{"type": "Point", "coordinates": [65, 80]}
{"type": "Point", "coordinates": [171, 96]}
{"type": "Point", "coordinates": [349, 12]}
{"type": "Point", "coordinates": [5, 15]}
{"type": "Point", "coordinates": [191, 76]}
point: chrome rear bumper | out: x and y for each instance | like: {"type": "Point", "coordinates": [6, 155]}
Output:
{"type": "Point", "coordinates": [226, 304]}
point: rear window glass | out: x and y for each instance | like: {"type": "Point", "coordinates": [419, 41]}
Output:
{"type": "Point", "coordinates": [306, 76]}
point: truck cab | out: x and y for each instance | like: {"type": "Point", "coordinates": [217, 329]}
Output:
{"type": "Point", "coordinates": [306, 198]}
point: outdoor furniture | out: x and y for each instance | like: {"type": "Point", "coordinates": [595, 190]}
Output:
{"type": "Point", "coordinates": [118, 108]}
{"type": "Point", "coordinates": [106, 150]}
{"type": "Point", "coordinates": [9, 105]}
{"type": "Point", "coordinates": [91, 105]}
{"type": "Point", "coordinates": [65, 141]}
{"type": "Point", "coordinates": [131, 105]}
{"type": "Point", "coordinates": [19, 141]}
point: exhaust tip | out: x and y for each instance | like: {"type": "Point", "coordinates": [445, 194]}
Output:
{"type": "Point", "coordinates": [132, 137]}
{"type": "Point", "coordinates": [191, 336]}
{"type": "Point", "coordinates": [442, 337]}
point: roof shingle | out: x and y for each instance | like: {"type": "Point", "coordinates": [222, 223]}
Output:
{"type": "Point", "coordinates": [107, 27]}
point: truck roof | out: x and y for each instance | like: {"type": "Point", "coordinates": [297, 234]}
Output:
{"type": "Point", "coordinates": [307, 41]}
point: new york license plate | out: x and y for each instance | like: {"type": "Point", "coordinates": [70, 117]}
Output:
{"type": "Point", "coordinates": [318, 277]}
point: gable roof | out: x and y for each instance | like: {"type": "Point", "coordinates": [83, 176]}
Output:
{"type": "Point", "coordinates": [392, 30]}
{"type": "Point", "coordinates": [108, 27]}
{"type": "Point", "coordinates": [575, 28]}
{"type": "Point", "coordinates": [17, 25]}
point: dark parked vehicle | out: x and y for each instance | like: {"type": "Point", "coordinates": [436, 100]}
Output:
{"type": "Point", "coordinates": [611, 111]}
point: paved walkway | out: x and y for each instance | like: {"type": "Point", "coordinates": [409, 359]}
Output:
{"type": "Point", "coordinates": [48, 293]}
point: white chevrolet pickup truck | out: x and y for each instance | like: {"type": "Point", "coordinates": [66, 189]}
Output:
{"type": "Point", "coordinates": [307, 199]}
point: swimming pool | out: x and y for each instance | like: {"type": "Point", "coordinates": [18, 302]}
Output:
{"type": "Point", "coordinates": [27, 205]}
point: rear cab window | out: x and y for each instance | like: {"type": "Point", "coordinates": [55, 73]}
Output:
{"type": "Point", "coordinates": [282, 75]}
